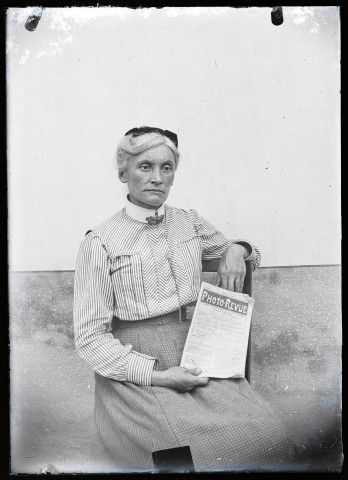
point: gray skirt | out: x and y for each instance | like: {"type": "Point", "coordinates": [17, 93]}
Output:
{"type": "Point", "coordinates": [227, 426]}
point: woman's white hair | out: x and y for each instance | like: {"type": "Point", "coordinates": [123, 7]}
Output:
{"type": "Point", "coordinates": [131, 146]}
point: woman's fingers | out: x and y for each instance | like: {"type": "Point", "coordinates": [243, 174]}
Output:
{"type": "Point", "coordinates": [218, 281]}
{"type": "Point", "coordinates": [232, 282]}
{"type": "Point", "coordinates": [221, 281]}
{"type": "Point", "coordinates": [235, 282]}
{"type": "Point", "coordinates": [239, 284]}
{"type": "Point", "coordinates": [194, 371]}
{"type": "Point", "coordinates": [241, 281]}
{"type": "Point", "coordinates": [200, 381]}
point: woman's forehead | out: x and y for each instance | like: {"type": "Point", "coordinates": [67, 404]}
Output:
{"type": "Point", "coordinates": [159, 153]}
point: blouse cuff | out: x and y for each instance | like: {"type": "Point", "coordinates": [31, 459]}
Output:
{"type": "Point", "coordinates": [140, 368]}
{"type": "Point", "coordinates": [247, 245]}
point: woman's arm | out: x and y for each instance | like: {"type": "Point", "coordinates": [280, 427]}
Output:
{"type": "Point", "coordinates": [215, 243]}
{"type": "Point", "coordinates": [233, 254]}
{"type": "Point", "coordinates": [93, 312]}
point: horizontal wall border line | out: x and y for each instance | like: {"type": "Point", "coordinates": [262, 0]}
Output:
{"type": "Point", "coordinates": [260, 268]}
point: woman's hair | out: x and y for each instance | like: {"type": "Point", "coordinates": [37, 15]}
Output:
{"type": "Point", "coordinates": [131, 145]}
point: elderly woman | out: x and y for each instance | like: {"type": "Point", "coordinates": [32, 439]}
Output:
{"type": "Point", "coordinates": [135, 272]}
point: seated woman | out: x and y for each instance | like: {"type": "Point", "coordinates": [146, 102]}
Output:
{"type": "Point", "coordinates": [134, 274]}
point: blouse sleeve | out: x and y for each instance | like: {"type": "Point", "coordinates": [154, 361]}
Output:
{"type": "Point", "coordinates": [93, 312]}
{"type": "Point", "coordinates": [214, 243]}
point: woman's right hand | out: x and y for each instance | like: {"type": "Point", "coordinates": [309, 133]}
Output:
{"type": "Point", "coordinates": [180, 379]}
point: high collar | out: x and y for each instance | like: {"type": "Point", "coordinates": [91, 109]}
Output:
{"type": "Point", "coordinates": [140, 213]}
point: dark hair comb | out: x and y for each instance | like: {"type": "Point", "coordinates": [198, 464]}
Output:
{"type": "Point", "coordinates": [136, 132]}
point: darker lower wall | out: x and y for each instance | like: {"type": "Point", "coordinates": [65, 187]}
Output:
{"type": "Point", "coordinates": [296, 366]}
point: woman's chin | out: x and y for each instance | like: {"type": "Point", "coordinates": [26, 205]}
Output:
{"type": "Point", "coordinates": [151, 202]}
{"type": "Point", "coordinates": [154, 200]}
{"type": "Point", "coordinates": [154, 204]}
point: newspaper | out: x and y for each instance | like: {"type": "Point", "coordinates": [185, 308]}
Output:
{"type": "Point", "coordinates": [217, 340]}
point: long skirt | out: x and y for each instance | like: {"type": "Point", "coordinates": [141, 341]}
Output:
{"type": "Point", "coordinates": [226, 425]}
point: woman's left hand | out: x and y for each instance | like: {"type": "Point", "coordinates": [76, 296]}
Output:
{"type": "Point", "coordinates": [231, 271]}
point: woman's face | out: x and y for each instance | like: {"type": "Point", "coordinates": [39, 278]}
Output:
{"type": "Point", "coordinates": [149, 176]}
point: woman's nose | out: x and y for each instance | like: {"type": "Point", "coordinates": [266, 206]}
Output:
{"type": "Point", "coordinates": [156, 176]}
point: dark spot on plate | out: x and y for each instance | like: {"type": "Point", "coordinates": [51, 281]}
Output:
{"type": "Point", "coordinates": [274, 277]}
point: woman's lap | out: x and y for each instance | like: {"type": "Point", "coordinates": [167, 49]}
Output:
{"type": "Point", "coordinates": [226, 424]}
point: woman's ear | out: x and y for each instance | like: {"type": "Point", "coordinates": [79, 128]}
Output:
{"type": "Point", "coordinates": [122, 175]}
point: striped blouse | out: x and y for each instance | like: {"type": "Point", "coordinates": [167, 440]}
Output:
{"type": "Point", "coordinates": [134, 271]}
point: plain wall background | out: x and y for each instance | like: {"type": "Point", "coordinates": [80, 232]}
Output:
{"type": "Point", "coordinates": [256, 108]}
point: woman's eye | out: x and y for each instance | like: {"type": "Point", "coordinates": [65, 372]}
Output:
{"type": "Point", "coordinates": [167, 168]}
{"type": "Point", "coordinates": [145, 166]}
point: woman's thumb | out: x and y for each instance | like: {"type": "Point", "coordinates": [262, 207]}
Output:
{"type": "Point", "coordinates": [195, 371]}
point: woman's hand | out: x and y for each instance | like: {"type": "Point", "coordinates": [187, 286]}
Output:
{"type": "Point", "coordinates": [231, 271]}
{"type": "Point", "coordinates": [180, 379]}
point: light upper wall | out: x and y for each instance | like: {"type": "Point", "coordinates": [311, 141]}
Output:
{"type": "Point", "coordinates": [256, 108]}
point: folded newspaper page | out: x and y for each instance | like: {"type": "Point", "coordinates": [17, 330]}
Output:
{"type": "Point", "coordinates": [217, 340]}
